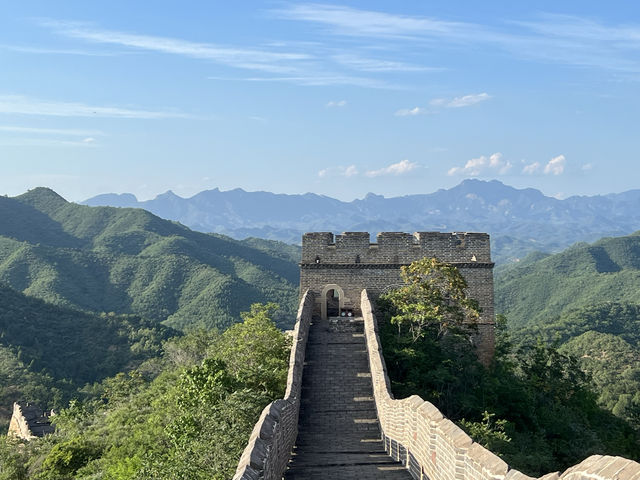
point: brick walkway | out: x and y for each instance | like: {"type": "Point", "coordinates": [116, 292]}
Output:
{"type": "Point", "coordinates": [339, 435]}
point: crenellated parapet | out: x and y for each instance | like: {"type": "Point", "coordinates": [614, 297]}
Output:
{"type": "Point", "coordinates": [269, 447]}
{"type": "Point", "coordinates": [394, 248]}
{"type": "Point", "coordinates": [432, 447]}
{"type": "Point", "coordinates": [350, 262]}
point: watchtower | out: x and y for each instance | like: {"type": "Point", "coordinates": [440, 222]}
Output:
{"type": "Point", "coordinates": [337, 269]}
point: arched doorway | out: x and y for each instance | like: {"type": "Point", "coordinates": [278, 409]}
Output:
{"type": "Point", "coordinates": [332, 301]}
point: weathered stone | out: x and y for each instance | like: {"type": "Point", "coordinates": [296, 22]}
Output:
{"type": "Point", "coordinates": [28, 421]}
{"type": "Point", "coordinates": [349, 263]}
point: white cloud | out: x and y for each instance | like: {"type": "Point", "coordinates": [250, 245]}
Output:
{"type": "Point", "coordinates": [468, 100]}
{"type": "Point", "coordinates": [555, 166]}
{"type": "Point", "coordinates": [340, 171]}
{"type": "Point", "coordinates": [400, 168]}
{"type": "Point", "coordinates": [531, 168]}
{"type": "Point", "coordinates": [336, 103]}
{"type": "Point", "coordinates": [350, 171]}
{"type": "Point", "coordinates": [410, 111]}
{"type": "Point", "coordinates": [483, 165]}
{"type": "Point", "coordinates": [587, 166]}
{"type": "Point", "coordinates": [438, 103]}
{"type": "Point", "coordinates": [18, 104]}
{"type": "Point", "coordinates": [458, 102]}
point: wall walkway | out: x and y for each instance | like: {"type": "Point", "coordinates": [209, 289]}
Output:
{"type": "Point", "coordinates": [340, 420]}
{"type": "Point", "coordinates": [271, 442]}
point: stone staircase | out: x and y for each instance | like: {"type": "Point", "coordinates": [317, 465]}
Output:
{"type": "Point", "coordinates": [338, 431]}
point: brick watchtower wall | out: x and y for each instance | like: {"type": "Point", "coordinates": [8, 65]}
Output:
{"type": "Point", "coordinates": [350, 263]}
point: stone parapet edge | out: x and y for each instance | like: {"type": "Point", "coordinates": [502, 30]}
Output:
{"type": "Point", "coordinates": [270, 444]}
{"type": "Point", "coordinates": [432, 447]}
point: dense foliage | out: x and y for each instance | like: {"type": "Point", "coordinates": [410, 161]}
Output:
{"type": "Point", "coordinates": [187, 414]}
{"type": "Point", "coordinates": [534, 406]}
{"type": "Point", "coordinates": [542, 287]}
{"type": "Point", "coordinates": [128, 261]}
{"type": "Point", "coordinates": [48, 352]}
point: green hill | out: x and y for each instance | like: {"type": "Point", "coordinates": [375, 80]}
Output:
{"type": "Point", "coordinates": [47, 352]}
{"type": "Point", "coordinates": [541, 288]}
{"type": "Point", "coordinates": [586, 299]}
{"type": "Point", "coordinates": [128, 261]}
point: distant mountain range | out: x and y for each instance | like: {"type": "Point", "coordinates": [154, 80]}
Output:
{"type": "Point", "coordinates": [520, 220]}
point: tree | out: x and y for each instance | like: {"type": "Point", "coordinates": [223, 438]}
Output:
{"type": "Point", "coordinates": [433, 299]}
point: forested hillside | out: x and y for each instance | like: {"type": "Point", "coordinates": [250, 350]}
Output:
{"type": "Point", "coordinates": [48, 352]}
{"type": "Point", "coordinates": [186, 413]}
{"type": "Point", "coordinates": [542, 287]}
{"type": "Point", "coordinates": [128, 261]}
{"type": "Point", "coordinates": [586, 300]}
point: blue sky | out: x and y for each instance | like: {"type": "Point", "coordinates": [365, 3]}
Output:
{"type": "Point", "coordinates": [334, 98]}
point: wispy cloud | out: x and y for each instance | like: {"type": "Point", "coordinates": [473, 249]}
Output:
{"type": "Point", "coordinates": [439, 103]}
{"type": "Point", "coordinates": [246, 58]}
{"type": "Point", "coordinates": [566, 39]}
{"type": "Point", "coordinates": [51, 131]}
{"type": "Point", "coordinates": [378, 65]}
{"type": "Point", "coordinates": [406, 112]}
{"type": "Point", "coordinates": [46, 142]}
{"type": "Point", "coordinates": [321, 80]}
{"type": "Point", "coordinates": [349, 171]}
{"type": "Point", "coordinates": [22, 105]}
{"type": "Point", "coordinates": [355, 22]}
{"type": "Point", "coordinates": [57, 51]}
{"type": "Point", "coordinates": [459, 102]}
{"type": "Point", "coordinates": [483, 165]}
{"type": "Point", "coordinates": [336, 103]}
{"type": "Point", "coordinates": [400, 168]}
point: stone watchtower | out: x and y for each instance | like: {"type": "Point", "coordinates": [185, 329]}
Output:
{"type": "Point", "coordinates": [337, 269]}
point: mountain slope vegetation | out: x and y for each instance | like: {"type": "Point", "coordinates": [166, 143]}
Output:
{"type": "Point", "coordinates": [128, 261]}
{"type": "Point", "coordinates": [586, 301]}
{"type": "Point", "coordinates": [48, 352]}
{"type": "Point", "coordinates": [543, 287]}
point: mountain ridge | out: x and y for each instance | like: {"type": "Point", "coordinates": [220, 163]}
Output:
{"type": "Point", "coordinates": [519, 220]}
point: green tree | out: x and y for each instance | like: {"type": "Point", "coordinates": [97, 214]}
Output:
{"type": "Point", "coordinates": [434, 299]}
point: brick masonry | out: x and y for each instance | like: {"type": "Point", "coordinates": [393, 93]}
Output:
{"type": "Point", "coordinates": [350, 263]}
{"type": "Point", "coordinates": [413, 432]}
{"type": "Point", "coordinates": [432, 447]}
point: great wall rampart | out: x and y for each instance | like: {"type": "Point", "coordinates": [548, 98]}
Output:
{"type": "Point", "coordinates": [414, 432]}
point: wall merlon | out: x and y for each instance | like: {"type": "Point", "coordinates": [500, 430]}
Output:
{"type": "Point", "coordinates": [517, 475]}
{"type": "Point", "coordinates": [443, 451]}
{"type": "Point", "coordinates": [550, 476]}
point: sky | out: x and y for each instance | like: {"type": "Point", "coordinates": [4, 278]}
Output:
{"type": "Point", "coordinates": [339, 99]}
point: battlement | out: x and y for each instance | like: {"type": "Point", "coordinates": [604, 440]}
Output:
{"type": "Point", "coordinates": [394, 248]}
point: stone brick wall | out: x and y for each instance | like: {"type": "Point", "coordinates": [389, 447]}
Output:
{"type": "Point", "coordinates": [353, 263]}
{"type": "Point", "coordinates": [29, 421]}
{"type": "Point", "coordinates": [271, 442]}
{"type": "Point", "coordinates": [432, 447]}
